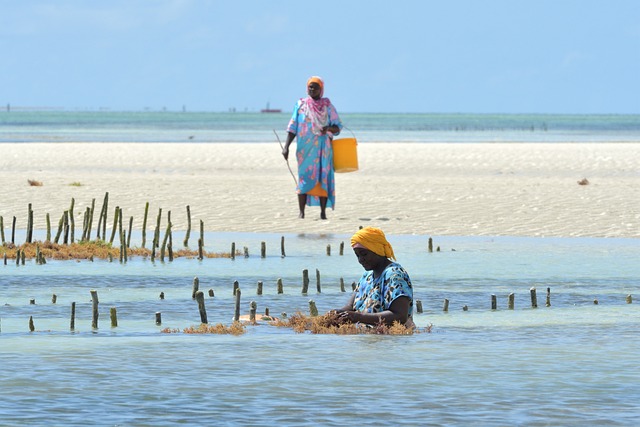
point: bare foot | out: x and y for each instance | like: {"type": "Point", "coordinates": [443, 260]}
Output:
{"type": "Point", "coordinates": [323, 216]}
{"type": "Point", "coordinates": [301, 215]}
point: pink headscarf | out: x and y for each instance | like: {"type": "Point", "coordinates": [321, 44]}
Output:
{"type": "Point", "coordinates": [317, 109]}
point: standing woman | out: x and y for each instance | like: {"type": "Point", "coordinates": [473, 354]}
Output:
{"type": "Point", "coordinates": [314, 122]}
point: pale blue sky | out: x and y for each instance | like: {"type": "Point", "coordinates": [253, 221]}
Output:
{"type": "Point", "coordinates": [476, 56]}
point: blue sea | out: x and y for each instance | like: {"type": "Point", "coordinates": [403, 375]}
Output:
{"type": "Point", "coordinates": [571, 363]}
{"type": "Point", "coordinates": [165, 126]}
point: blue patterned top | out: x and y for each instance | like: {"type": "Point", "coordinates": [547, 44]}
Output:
{"type": "Point", "coordinates": [374, 295]}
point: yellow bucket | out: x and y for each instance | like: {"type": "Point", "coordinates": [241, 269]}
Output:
{"type": "Point", "coordinates": [345, 155]}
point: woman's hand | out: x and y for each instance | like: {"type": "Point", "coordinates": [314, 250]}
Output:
{"type": "Point", "coordinates": [285, 153]}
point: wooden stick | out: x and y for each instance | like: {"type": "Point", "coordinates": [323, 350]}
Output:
{"type": "Point", "coordinates": [116, 213]}
{"type": "Point", "coordinates": [185, 242]}
{"type": "Point", "coordinates": [418, 306]}
{"type": "Point", "coordinates": [13, 231]}
{"type": "Point", "coordinates": [94, 309]}
{"type": "Point", "coordinates": [72, 323]}
{"type": "Point", "coordinates": [200, 250]}
{"type": "Point", "coordinates": [263, 249]}
{"type": "Point", "coordinates": [280, 288]}
{"type": "Point", "coordinates": [29, 224]}
{"type": "Point", "coordinates": [201, 307]}
{"type": "Point", "coordinates": [233, 250]}
{"type": "Point", "coordinates": [54, 298]}
{"type": "Point", "coordinates": [313, 310]}
{"type": "Point", "coordinates": [158, 318]}
{"type": "Point", "coordinates": [253, 307]}
{"type": "Point", "coordinates": [59, 229]}
{"type": "Point", "coordinates": [445, 305]}
{"type": "Point", "coordinates": [72, 222]}
{"type": "Point", "coordinates": [430, 244]}
{"type": "Point", "coordinates": [628, 299]}
{"type": "Point", "coordinates": [329, 249]}
{"type": "Point", "coordinates": [129, 233]}
{"type": "Point", "coordinates": [534, 298]}
{"type": "Point", "coordinates": [236, 287]}
{"type": "Point", "coordinates": [341, 248]}
{"type": "Point", "coordinates": [236, 315]}
{"type": "Point", "coordinates": [202, 231]}
{"type": "Point", "coordinates": [114, 317]}
{"type": "Point", "coordinates": [318, 287]}
{"type": "Point", "coordinates": [65, 239]}
{"type": "Point", "coordinates": [259, 290]}
{"type": "Point", "coordinates": [90, 224]}
{"type": "Point", "coordinates": [31, 325]}
{"type": "Point", "coordinates": [2, 230]}
{"type": "Point", "coordinates": [511, 302]}
{"type": "Point", "coordinates": [342, 285]}
{"type": "Point", "coordinates": [494, 302]}
{"type": "Point", "coordinates": [246, 252]}
{"type": "Point", "coordinates": [305, 281]}
{"type": "Point", "coordinates": [282, 253]}
{"type": "Point", "coordinates": [196, 286]}
{"type": "Point", "coordinates": [48, 229]}
{"type": "Point", "coordinates": [548, 303]}
{"type": "Point", "coordinates": [144, 224]}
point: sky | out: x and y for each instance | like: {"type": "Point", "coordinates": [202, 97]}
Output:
{"type": "Point", "coordinates": [396, 56]}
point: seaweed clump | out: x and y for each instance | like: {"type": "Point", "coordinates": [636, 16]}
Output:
{"type": "Point", "coordinates": [330, 323]}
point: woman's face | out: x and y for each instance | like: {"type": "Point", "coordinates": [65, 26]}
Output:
{"type": "Point", "coordinates": [367, 259]}
{"type": "Point", "coordinates": [313, 89]}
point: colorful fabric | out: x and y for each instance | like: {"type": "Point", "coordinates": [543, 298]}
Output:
{"type": "Point", "coordinates": [313, 151]}
{"type": "Point", "coordinates": [374, 295]}
{"type": "Point", "coordinates": [373, 239]}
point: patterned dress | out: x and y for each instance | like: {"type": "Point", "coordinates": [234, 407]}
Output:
{"type": "Point", "coordinates": [374, 295]}
{"type": "Point", "coordinates": [314, 152]}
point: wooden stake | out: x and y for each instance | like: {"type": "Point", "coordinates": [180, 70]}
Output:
{"type": "Point", "coordinates": [253, 307]}
{"type": "Point", "coordinates": [233, 250]}
{"type": "Point", "coordinates": [201, 307]}
{"type": "Point", "coordinates": [211, 293]}
{"type": "Point", "coordinates": [114, 317]}
{"type": "Point", "coordinates": [305, 281]}
{"type": "Point", "coordinates": [246, 252]}
{"type": "Point", "coordinates": [259, 290]}
{"type": "Point", "coordinates": [511, 302]}
{"type": "Point", "coordinates": [129, 233]}
{"type": "Point", "coordinates": [280, 287]}
{"type": "Point", "coordinates": [72, 222]}
{"type": "Point", "coordinates": [54, 298]}
{"type": "Point", "coordinates": [341, 248]}
{"type": "Point", "coordinates": [494, 302]}
{"type": "Point", "coordinates": [313, 310]}
{"type": "Point", "coordinates": [236, 315]}
{"type": "Point", "coordinates": [48, 229]}
{"type": "Point", "coordinates": [418, 306]}
{"type": "Point", "coordinates": [31, 326]}
{"type": "Point", "coordinates": [236, 287]}
{"type": "Point", "coordinates": [445, 305]}
{"type": "Point", "coordinates": [196, 286]}
{"type": "Point", "coordinates": [93, 206]}
{"type": "Point", "coordinates": [185, 242]}
{"type": "Point", "coordinates": [534, 298]}
{"type": "Point", "coordinates": [72, 323]}
{"type": "Point", "coordinates": [200, 250]}
{"type": "Point", "coordinates": [282, 254]}
{"type": "Point", "coordinates": [144, 224]}
{"type": "Point", "coordinates": [94, 311]}
{"type": "Point", "coordinates": [318, 287]}
{"type": "Point", "coordinates": [2, 229]}
{"type": "Point", "coordinates": [116, 213]}
{"type": "Point", "coordinates": [548, 303]}
{"type": "Point", "coordinates": [13, 231]}
{"type": "Point", "coordinates": [628, 299]}
{"type": "Point", "coordinates": [202, 231]}
{"type": "Point", "coordinates": [430, 244]}
{"type": "Point", "coordinates": [263, 249]}
{"type": "Point", "coordinates": [329, 249]}
{"type": "Point", "coordinates": [158, 318]}
{"type": "Point", "coordinates": [342, 285]}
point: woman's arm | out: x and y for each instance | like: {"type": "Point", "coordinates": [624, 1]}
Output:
{"type": "Point", "coordinates": [285, 150]}
{"type": "Point", "coordinates": [398, 311]}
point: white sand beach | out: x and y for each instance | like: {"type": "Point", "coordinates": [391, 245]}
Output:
{"type": "Point", "coordinates": [517, 189]}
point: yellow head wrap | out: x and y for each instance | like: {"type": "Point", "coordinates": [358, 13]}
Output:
{"type": "Point", "coordinates": [373, 239]}
{"type": "Point", "coordinates": [316, 79]}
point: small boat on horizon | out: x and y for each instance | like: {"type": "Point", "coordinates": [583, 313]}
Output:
{"type": "Point", "coordinates": [270, 110]}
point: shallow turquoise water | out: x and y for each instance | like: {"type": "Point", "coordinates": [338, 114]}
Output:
{"type": "Point", "coordinates": [573, 363]}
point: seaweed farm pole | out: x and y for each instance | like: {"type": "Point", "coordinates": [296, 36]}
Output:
{"type": "Point", "coordinates": [313, 310]}
{"type": "Point", "coordinates": [236, 287]}
{"type": "Point", "coordinates": [494, 302]}
{"type": "Point", "coordinates": [200, 250]}
{"type": "Point", "coordinates": [418, 306]}
{"type": "Point", "coordinates": [201, 307]}
{"type": "Point", "coordinates": [253, 307]}
{"type": "Point", "coordinates": [282, 254]}
{"type": "Point", "coordinates": [65, 236]}
{"type": "Point", "coordinates": [144, 224]}
{"type": "Point", "coordinates": [13, 231]}
{"type": "Point", "coordinates": [341, 248]}
{"type": "Point", "coordinates": [29, 223]}
{"type": "Point", "coordinates": [164, 241]}
{"type": "Point", "coordinates": [48, 229]}
{"type": "Point", "coordinates": [305, 281]}
{"type": "Point", "coordinates": [263, 249]}
{"type": "Point", "coordinates": [628, 299]}
{"type": "Point", "coordinates": [196, 286]}
{"type": "Point", "coordinates": [60, 223]}
{"type": "Point", "coordinates": [2, 229]}
{"type": "Point", "coordinates": [102, 221]}
{"type": "Point", "coordinates": [236, 314]}
{"type": "Point", "coordinates": [156, 233]}
{"type": "Point", "coordinates": [445, 305]}
{"type": "Point", "coordinates": [185, 242]}
{"type": "Point", "coordinates": [115, 224]}
{"type": "Point", "coordinates": [72, 222]}
{"type": "Point", "coordinates": [342, 285]}
{"type": "Point", "coordinates": [329, 249]}
{"type": "Point", "coordinates": [511, 302]}
{"type": "Point", "coordinates": [90, 223]}
{"type": "Point", "coordinates": [158, 318]}
{"type": "Point", "coordinates": [31, 325]}
{"type": "Point", "coordinates": [130, 229]}
{"type": "Point", "coordinates": [280, 289]}
{"type": "Point", "coordinates": [202, 231]}
{"type": "Point", "coordinates": [170, 245]}
{"type": "Point", "coordinates": [534, 298]}
{"type": "Point", "coordinates": [94, 309]}
{"type": "Point", "coordinates": [233, 250]}
{"type": "Point", "coordinates": [259, 289]}
{"type": "Point", "coordinates": [72, 323]}
{"type": "Point", "coordinates": [114, 317]}
{"type": "Point", "coordinates": [318, 287]}
{"type": "Point", "coordinates": [548, 303]}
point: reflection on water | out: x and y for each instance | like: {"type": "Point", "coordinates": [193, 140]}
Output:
{"type": "Point", "coordinates": [573, 363]}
